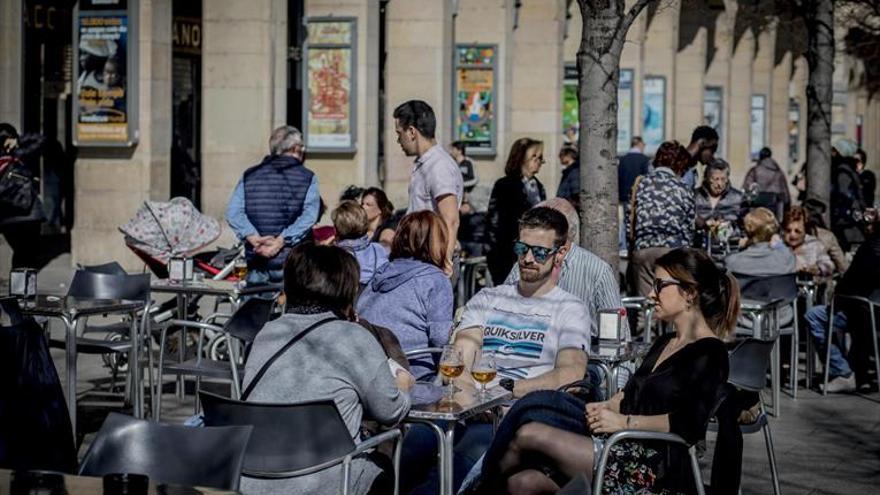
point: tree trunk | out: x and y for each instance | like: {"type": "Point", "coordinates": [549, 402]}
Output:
{"type": "Point", "coordinates": [819, 20]}
{"type": "Point", "coordinates": [605, 23]}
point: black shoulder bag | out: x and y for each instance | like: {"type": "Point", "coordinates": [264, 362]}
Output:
{"type": "Point", "coordinates": [17, 185]}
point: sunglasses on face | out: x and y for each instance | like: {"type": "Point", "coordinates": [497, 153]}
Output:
{"type": "Point", "coordinates": [661, 283]}
{"type": "Point", "coordinates": [540, 253]}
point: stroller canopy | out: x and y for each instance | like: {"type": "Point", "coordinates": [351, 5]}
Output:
{"type": "Point", "coordinates": [163, 230]}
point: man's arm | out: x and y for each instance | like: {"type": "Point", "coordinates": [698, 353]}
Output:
{"type": "Point", "coordinates": [447, 207]}
{"type": "Point", "coordinates": [236, 216]}
{"type": "Point", "coordinates": [468, 341]}
{"type": "Point", "coordinates": [571, 365]}
{"type": "Point", "coordinates": [296, 231]}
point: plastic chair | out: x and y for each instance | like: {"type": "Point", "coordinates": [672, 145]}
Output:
{"type": "Point", "coordinates": [100, 285]}
{"type": "Point", "coordinates": [782, 288]}
{"type": "Point", "coordinates": [242, 326]}
{"type": "Point", "coordinates": [872, 305]}
{"type": "Point", "coordinates": [748, 371]}
{"type": "Point", "coordinates": [168, 454]}
{"type": "Point", "coordinates": [292, 440]}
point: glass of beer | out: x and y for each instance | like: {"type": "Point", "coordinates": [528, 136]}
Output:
{"type": "Point", "coordinates": [451, 366]}
{"type": "Point", "coordinates": [239, 270]}
{"type": "Point", "coordinates": [484, 371]}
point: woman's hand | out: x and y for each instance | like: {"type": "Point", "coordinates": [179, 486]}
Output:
{"type": "Point", "coordinates": [605, 420]}
{"type": "Point", "coordinates": [405, 380]}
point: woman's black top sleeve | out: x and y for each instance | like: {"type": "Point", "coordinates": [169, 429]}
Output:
{"type": "Point", "coordinates": [686, 386]}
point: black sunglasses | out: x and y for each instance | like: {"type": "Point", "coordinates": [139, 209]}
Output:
{"type": "Point", "coordinates": [540, 253]}
{"type": "Point", "coordinates": [661, 283]}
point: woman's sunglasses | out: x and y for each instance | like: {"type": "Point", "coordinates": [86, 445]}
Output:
{"type": "Point", "coordinates": [540, 253]}
{"type": "Point", "coordinates": [661, 283]}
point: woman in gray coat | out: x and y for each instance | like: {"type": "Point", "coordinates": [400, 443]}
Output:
{"type": "Point", "coordinates": [339, 360]}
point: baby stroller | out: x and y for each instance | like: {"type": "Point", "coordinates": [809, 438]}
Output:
{"type": "Point", "coordinates": [162, 230]}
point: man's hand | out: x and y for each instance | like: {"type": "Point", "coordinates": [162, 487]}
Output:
{"type": "Point", "coordinates": [256, 240]}
{"type": "Point", "coordinates": [271, 247]}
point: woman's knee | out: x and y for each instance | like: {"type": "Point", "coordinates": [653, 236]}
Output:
{"type": "Point", "coordinates": [529, 435]}
{"type": "Point", "coordinates": [530, 482]}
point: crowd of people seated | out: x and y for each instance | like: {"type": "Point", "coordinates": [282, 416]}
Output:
{"type": "Point", "coordinates": [383, 286]}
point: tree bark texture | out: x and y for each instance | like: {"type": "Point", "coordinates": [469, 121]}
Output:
{"type": "Point", "coordinates": [605, 24]}
{"type": "Point", "coordinates": [819, 21]}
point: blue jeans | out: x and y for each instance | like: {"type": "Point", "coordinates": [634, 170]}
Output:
{"type": "Point", "coordinates": [261, 277]}
{"type": "Point", "coordinates": [817, 320]}
{"type": "Point", "coordinates": [418, 470]}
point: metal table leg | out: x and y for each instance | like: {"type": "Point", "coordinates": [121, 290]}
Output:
{"type": "Point", "coordinates": [810, 363]}
{"type": "Point", "coordinates": [134, 367]}
{"type": "Point", "coordinates": [447, 474]}
{"type": "Point", "coordinates": [181, 347]}
{"type": "Point", "coordinates": [70, 358]}
{"type": "Point", "coordinates": [442, 455]}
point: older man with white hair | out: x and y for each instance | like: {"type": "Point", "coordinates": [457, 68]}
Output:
{"type": "Point", "coordinates": [274, 205]}
{"type": "Point", "coordinates": [583, 273]}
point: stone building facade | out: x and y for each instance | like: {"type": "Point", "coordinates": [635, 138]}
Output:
{"type": "Point", "coordinates": [685, 66]}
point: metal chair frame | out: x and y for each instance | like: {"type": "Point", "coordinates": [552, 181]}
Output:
{"type": "Point", "coordinates": [629, 435]}
{"type": "Point", "coordinates": [871, 306]}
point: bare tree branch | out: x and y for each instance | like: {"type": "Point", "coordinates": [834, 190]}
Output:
{"type": "Point", "coordinates": [633, 13]}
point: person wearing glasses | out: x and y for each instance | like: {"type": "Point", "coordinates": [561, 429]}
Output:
{"type": "Point", "coordinates": [538, 332]}
{"type": "Point", "coordinates": [512, 196]}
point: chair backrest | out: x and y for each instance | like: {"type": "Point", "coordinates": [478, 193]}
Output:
{"type": "Point", "coordinates": [168, 454]}
{"type": "Point", "coordinates": [112, 268]}
{"type": "Point", "coordinates": [106, 286]}
{"type": "Point", "coordinates": [768, 288]}
{"type": "Point", "coordinates": [749, 362]}
{"type": "Point", "coordinates": [286, 437]}
{"type": "Point", "coordinates": [249, 318]}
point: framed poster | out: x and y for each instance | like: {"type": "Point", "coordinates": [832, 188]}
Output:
{"type": "Point", "coordinates": [713, 101]}
{"type": "Point", "coordinates": [653, 112]}
{"type": "Point", "coordinates": [624, 110]}
{"type": "Point", "coordinates": [794, 130]}
{"type": "Point", "coordinates": [330, 99]}
{"type": "Point", "coordinates": [570, 103]}
{"type": "Point", "coordinates": [105, 71]}
{"type": "Point", "coordinates": [758, 124]}
{"type": "Point", "coordinates": [475, 97]}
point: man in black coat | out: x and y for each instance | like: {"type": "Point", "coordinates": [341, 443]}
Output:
{"type": "Point", "coordinates": [633, 164]}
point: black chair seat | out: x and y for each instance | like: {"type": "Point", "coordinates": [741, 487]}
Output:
{"type": "Point", "coordinates": [94, 346]}
{"type": "Point", "coordinates": [205, 367]}
{"type": "Point", "coordinates": [121, 327]}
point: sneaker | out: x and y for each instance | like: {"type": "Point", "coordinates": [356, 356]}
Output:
{"type": "Point", "coordinates": [842, 384]}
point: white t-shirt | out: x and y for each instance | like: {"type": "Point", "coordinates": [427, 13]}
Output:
{"type": "Point", "coordinates": [434, 174]}
{"type": "Point", "coordinates": [526, 333]}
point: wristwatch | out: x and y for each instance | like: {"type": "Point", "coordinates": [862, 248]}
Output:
{"type": "Point", "coordinates": [507, 384]}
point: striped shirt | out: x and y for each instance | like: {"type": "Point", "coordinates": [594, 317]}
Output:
{"type": "Point", "coordinates": [590, 279]}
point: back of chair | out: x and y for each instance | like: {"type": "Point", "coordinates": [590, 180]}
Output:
{"type": "Point", "coordinates": [168, 454]}
{"type": "Point", "coordinates": [286, 437]}
{"type": "Point", "coordinates": [749, 362]}
{"type": "Point", "coordinates": [94, 285]}
{"type": "Point", "coordinates": [249, 318]}
{"type": "Point", "coordinates": [768, 288]}
{"type": "Point", "coordinates": [112, 268]}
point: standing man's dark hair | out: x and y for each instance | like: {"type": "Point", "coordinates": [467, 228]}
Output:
{"type": "Point", "coordinates": [417, 114]}
{"type": "Point", "coordinates": [764, 153]}
{"type": "Point", "coordinates": [706, 133]}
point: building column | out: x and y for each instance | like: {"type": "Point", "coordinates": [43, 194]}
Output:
{"type": "Point", "coordinates": [779, 119]}
{"type": "Point", "coordinates": [535, 104]}
{"type": "Point", "coordinates": [418, 64]}
{"type": "Point", "coordinates": [112, 183]}
{"type": "Point", "coordinates": [740, 107]}
{"type": "Point", "coordinates": [10, 61]}
{"type": "Point", "coordinates": [243, 81]}
{"type": "Point", "coordinates": [659, 57]}
{"type": "Point", "coordinates": [719, 55]}
{"type": "Point", "coordinates": [338, 171]}
{"type": "Point", "coordinates": [690, 69]}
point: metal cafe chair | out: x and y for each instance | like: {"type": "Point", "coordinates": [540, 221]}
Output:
{"type": "Point", "coordinates": [293, 440]}
{"type": "Point", "coordinates": [872, 304]}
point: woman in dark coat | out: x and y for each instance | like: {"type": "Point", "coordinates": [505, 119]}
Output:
{"type": "Point", "coordinates": [20, 226]}
{"type": "Point", "coordinates": [512, 196]}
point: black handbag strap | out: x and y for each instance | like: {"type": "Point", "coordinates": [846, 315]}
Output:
{"type": "Point", "coordinates": [268, 363]}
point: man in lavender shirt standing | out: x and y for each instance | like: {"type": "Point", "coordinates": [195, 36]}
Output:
{"type": "Point", "coordinates": [435, 183]}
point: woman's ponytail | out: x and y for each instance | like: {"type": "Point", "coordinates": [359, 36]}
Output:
{"type": "Point", "coordinates": [730, 301]}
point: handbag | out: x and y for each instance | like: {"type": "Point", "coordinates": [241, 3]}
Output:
{"type": "Point", "coordinates": [18, 189]}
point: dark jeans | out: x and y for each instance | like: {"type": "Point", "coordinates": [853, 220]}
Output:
{"type": "Point", "coordinates": [418, 470]}
{"type": "Point", "coordinates": [24, 240]}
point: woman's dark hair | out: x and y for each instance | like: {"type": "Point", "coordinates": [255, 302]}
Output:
{"type": "Point", "coordinates": [418, 114]}
{"type": "Point", "coordinates": [716, 290]}
{"type": "Point", "coordinates": [382, 201]}
{"type": "Point", "coordinates": [518, 154]}
{"type": "Point", "coordinates": [460, 146]}
{"type": "Point", "coordinates": [765, 153]}
{"type": "Point", "coordinates": [542, 217]}
{"type": "Point", "coordinates": [705, 133]}
{"type": "Point", "coordinates": [421, 236]}
{"type": "Point", "coordinates": [674, 156]}
{"type": "Point", "coordinates": [323, 276]}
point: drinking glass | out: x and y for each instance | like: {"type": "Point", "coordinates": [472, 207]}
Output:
{"type": "Point", "coordinates": [239, 271]}
{"type": "Point", "coordinates": [451, 366]}
{"type": "Point", "coordinates": [484, 371]}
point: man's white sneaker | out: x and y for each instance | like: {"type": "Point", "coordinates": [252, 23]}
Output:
{"type": "Point", "coordinates": [842, 384]}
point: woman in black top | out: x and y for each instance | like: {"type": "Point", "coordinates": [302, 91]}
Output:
{"type": "Point", "coordinates": [674, 390]}
{"type": "Point", "coordinates": [512, 195]}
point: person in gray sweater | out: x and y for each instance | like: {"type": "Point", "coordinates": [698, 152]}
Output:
{"type": "Point", "coordinates": [338, 360]}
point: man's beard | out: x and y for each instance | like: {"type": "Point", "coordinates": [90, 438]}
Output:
{"type": "Point", "coordinates": [533, 273]}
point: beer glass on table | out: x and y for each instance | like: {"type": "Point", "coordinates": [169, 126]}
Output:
{"type": "Point", "coordinates": [239, 271]}
{"type": "Point", "coordinates": [484, 371]}
{"type": "Point", "coordinates": [451, 366]}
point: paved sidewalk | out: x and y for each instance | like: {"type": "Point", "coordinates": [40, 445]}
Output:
{"type": "Point", "coordinates": [824, 445]}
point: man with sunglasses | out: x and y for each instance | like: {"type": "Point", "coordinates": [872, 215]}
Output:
{"type": "Point", "coordinates": [538, 332]}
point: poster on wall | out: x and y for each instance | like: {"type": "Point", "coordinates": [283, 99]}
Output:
{"type": "Point", "coordinates": [624, 110]}
{"type": "Point", "coordinates": [475, 97]}
{"type": "Point", "coordinates": [713, 99]}
{"type": "Point", "coordinates": [330, 100]}
{"type": "Point", "coordinates": [653, 113]}
{"type": "Point", "coordinates": [794, 128]}
{"type": "Point", "coordinates": [570, 104]}
{"type": "Point", "coordinates": [105, 88]}
{"type": "Point", "coordinates": [758, 124]}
